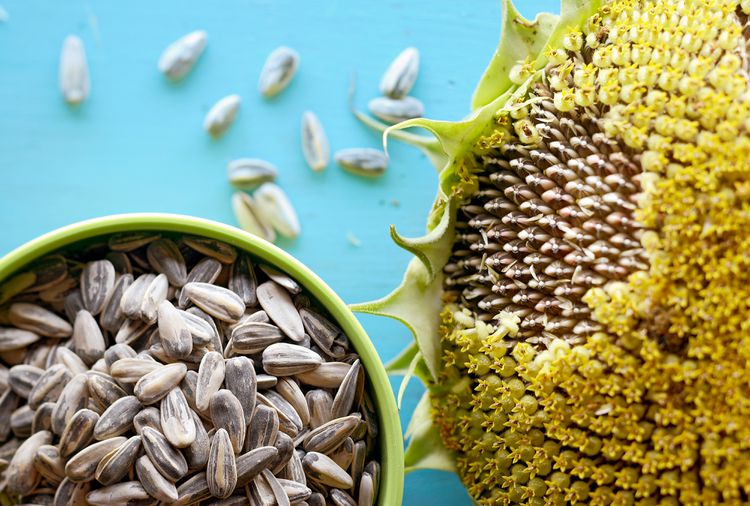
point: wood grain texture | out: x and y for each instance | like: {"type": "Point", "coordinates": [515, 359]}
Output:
{"type": "Point", "coordinates": [137, 143]}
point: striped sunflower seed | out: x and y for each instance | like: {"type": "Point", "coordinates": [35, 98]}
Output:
{"type": "Point", "coordinates": [295, 470]}
{"type": "Point", "coordinates": [147, 417]}
{"type": "Point", "coordinates": [49, 464]}
{"type": "Point", "coordinates": [70, 360]}
{"type": "Point", "coordinates": [212, 248]}
{"type": "Point", "coordinates": [351, 388]}
{"type": "Point", "coordinates": [170, 462]}
{"type": "Point", "coordinates": [116, 464]}
{"type": "Point", "coordinates": [285, 447]}
{"type": "Point", "coordinates": [219, 302]}
{"type": "Point", "coordinates": [21, 420]}
{"type": "Point", "coordinates": [401, 74]}
{"type": "Point", "coordinates": [196, 454]}
{"type": "Point", "coordinates": [14, 339]}
{"type": "Point", "coordinates": [130, 241]}
{"type": "Point", "coordinates": [43, 417]}
{"type": "Point", "coordinates": [340, 498]}
{"type": "Point", "coordinates": [22, 378]}
{"type": "Point", "coordinates": [368, 162]}
{"type": "Point", "coordinates": [226, 413]}
{"type": "Point", "coordinates": [250, 464]}
{"type": "Point", "coordinates": [366, 495]}
{"type": "Point", "coordinates": [49, 386]}
{"type": "Point", "coordinates": [125, 493]}
{"type": "Point", "coordinates": [259, 492]}
{"type": "Point", "coordinates": [201, 331]}
{"type": "Point", "coordinates": [319, 328]}
{"type": "Point", "coordinates": [74, 71]}
{"type": "Point", "coordinates": [242, 280]}
{"type": "Point", "coordinates": [315, 145]}
{"type": "Point", "coordinates": [394, 110]}
{"type": "Point", "coordinates": [330, 435]}
{"type": "Point", "coordinates": [273, 207]}
{"type": "Point", "coordinates": [221, 116]}
{"type": "Point", "coordinates": [249, 173]}
{"type": "Point", "coordinates": [188, 386]}
{"type": "Point", "coordinates": [78, 432]}
{"type": "Point", "coordinates": [240, 379]}
{"type": "Point", "coordinates": [165, 258]}
{"type": "Point", "coordinates": [221, 471]}
{"type": "Point", "coordinates": [103, 390]}
{"type": "Point", "coordinates": [117, 419]}
{"type": "Point", "coordinates": [82, 466]}
{"type": "Point", "coordinates": [284, 359]}
{"type": "Point", "coordinates": [70, 493]}
{"type": "Point", "coordinates": [39, 320]}
{"type": "Point", "coordinates": [118, 351]}
{"type": "Point", "coordinates": [278, 71]}
{"type": "Point", "coordinates": [210, 377]}
{"type": "Point", "coordinates": [132, 297]}
{"type": "Point", "coordinates": [72, 304]}
{"type": "Point", "coordinates": [177, 422]}
{"type": "Point", "coordinates": [21, 475]}
{"type": "Point", "coordinates": [193, 490]}
{"type": "Point", "coordinates": [319, 402]}
{"type": "Point", "coordinates": [316, 499]}
{"type": "Point", "coordinates": [97, 281]}
{"type": "Point", "coordinates": [263, 428]}
{"type": "Point", "coordinates": [279, 307]}
{"type": "Point", "coordinates": [88, 340]}
{"type": "Point", "coordinates": [282, 279]}
{"type": "Point", "coordinates": [121, 262]}
{"type": "Point", "coordinates": [266, 381]}
{"type": "Point", "coordinates": [175, 334]}
{"type": "Point", "coordinates": [131, 330]}
{"type": "Point", "coordinates": [248, 218]}
{"type": "Point", "coordinates": [292, 393]}
{"type": "Point", "coordinates": [326, 375]}
{"type": "Point", "coordinates": [130, 370]}
{"type": "Point", "coordinates": [322, 469]}
{"type": "Point", "coordinates": [278, 491]}
{"type": "Point", "coordinates": [344, 454]}
{"type": "Point", "coordinates": [358, 460]}
{"type": "Point", "coordinates": [156, 292]}
{"type": "Point", "coordinates": [205, 271]}
{"type": "Point", "coordinates": [180, 56]}
{"type": "Point", "coordinates": [156, 485]}
{"type": "Point", "coordinates": [253, 337]}
{"type": "Point", "coordinates": [153, 386]}
{"type": "Point", "coordinates": [72, 398]}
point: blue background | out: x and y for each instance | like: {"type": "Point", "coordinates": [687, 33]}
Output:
{"type": "Point", "coordinates": [137, 143]}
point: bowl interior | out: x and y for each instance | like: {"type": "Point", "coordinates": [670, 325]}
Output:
{"type": "Point", "coordinates": [391, 446]}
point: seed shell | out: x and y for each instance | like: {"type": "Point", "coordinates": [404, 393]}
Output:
{"type": "Point", "coordinates": [205, 271]}
{"type": "Point", "coordinates": [176, 417]}
{"type": "Point", "coordinates": [117, 419]}
{"type": "Point", "coordinates": [115, 465]}
{"type": "Point", "coordinates": [221, 471]}
{"type": "Point", "coordinates": [217, 301]}
{"type": "Point", "coordinates": [249, 173]}
{"type": "Point", "coordinates": [278, 70]}
{"type": "Point", "coordinates": [174, 332]}
{"type": "Point", "coordinates": [226, 413]}
{"type": "Point", "coordinates": [274, 208]}
{"type": "Point", "coordinates": [210, 377]}
{"type": "Point", "coordinates": [88, 340]}
{"type": "Point", "coordinates": [152, 387]}
{"type": "Point", "coordinates": [126, 493]}
{"type": "Point", "coordinates": [279, 307]}
{"type": "Point", "coordinates": [249, 219]}
{"type": "Point", "coordinates": [401, 74]}
{"type": "Point", "coordinates": [74, 71]}
{"type": "Point", "coordinates": [180, 56]}
{"type": "Point", "coordinates": [322, 469]}
{"type": "Point", "coordinates": [394, 110]}
{"type": "Point", "coordinates": [165, 258]}
{"type": "Point", "coordinates": [240, 379]}
{"type": "Point", "coordinates": [156, 485]}
{"type": "Point", "coordinates": [368, 162]}
{"type": "Point", "coordinates": [315, 145]}
{"type": "Point", "coordinates": [97, 281]}
{"type": "Point", "coordinates": [82, 466]}
{"type": "Point", "coordinates": [21, 474]}
{"type": "Point", "coordinates": [221, 115]}
{"type": "Point", "coordinates": [284, 359]}
{"type": "Point", "coordinates": [170, 462]}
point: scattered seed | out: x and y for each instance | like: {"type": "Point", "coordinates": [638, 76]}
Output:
{"type": "Point", "coordinates": [249, 173]}
{"type": "Point", "coordinates": [277, 71]}
{"type": "Point", "coordinates": [180, 56]}
{"type": "Point", "coordinates": [315, 145]}
{"type": "Point", "coordinates": [401, 74]}
{"type": "Point", "coordinates": [274, 207]}
{"type": "Point", "coordinates": [394, 110]}
{"type": "Point", "coordinates": [248, 218]}
{"type": "Point", "coordinates": [363, 161]}
{"type": "Point", "coordinates": [221, 116]}
{"type": "Point", "coordinates": [74, 71]}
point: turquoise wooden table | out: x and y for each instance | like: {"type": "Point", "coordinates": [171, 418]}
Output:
{"type": "Point", "coordinates": [137, 144]}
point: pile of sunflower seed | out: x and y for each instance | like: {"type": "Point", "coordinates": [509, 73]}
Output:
{"type": "Point", "coordinates": [148, 369]}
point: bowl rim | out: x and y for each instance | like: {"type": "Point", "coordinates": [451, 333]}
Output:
{"type": "Point", "coordinates": [391, 439]}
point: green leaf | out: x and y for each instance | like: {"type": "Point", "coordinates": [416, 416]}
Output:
{"type": "Point", "coordinates": [425, 449]}
{"type": "Point", "coordinates": [520, 38]}
{"type": "Point", "coordinates": [417, 304]}
{"type": "Point", "coordinates": [434, 248]}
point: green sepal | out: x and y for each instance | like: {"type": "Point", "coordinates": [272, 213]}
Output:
{"type": "Point", "coordinates": [416, 303]}
{"type": "Point", "coordinates": [520, 39]}
{"type": "Point", "coordinates": [399, 365]}
{"type": "Point", "coordinates": [434, 248]}
{"type": "Point", "coordinates": [425, 449]}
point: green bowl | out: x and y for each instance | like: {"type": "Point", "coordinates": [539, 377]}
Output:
{"type": "Point", "coordinates": [391, 442]}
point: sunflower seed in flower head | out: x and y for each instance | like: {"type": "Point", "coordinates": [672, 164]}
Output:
{"type": "Point", "coordinates": [263, 428]}
{"type": "Point", "coordinates": [327, 375]}
{"type": "Point", "coordinates": [174, 331]}
{"type": "Point", "coordinates": [240, 379]}
{"type": "Point", "coordinates": [341, 498]}
{"type": "Point", "coordinates": [82, 466]}
{"type": "Point", "coordinates": [170, 462]}
{"type": "Point", "coordinates": [395, 110]}
{"type": "Point", "coordinates": [39, 320]}
{"type": "Point", "coordinates": [328, 436]}
{"type": "Point", "coordinates": [292, 393]}
{"type": "Point", "coordinates": [88, 340]}
{"type": "Point", "coordinates": [130, 241]}
{"type": "Point", "coordinates": [22, 378]}
{"type": "Point", "coordinates": [74, 71]}
{"type": "Point", "coordinates": [277, 71]}
{"type": "Point", "coordinates": [177, 422]}
{"type": "Point", "coordinates": [117, 419]}
{"type": "Point", "coordinates": [253, 337]}
{"type": "Point", "coordinates": [132, 297]}
{"type": "Point", "coordinates": [13, 339]}
{"type": "Point", "coordinates": [319, 401]}
{"type": "Point", "coordinates": [128, 492]}
{"type": "Point", "coordinates": [282, 279]}
{"type": "Point", "coordinates": [221, 115]}
{"type": "Point", "coordinates": [284, 359]}
{"type": "Point", "coordinates": [226, 413]}
{"type": "Point", "coordinates": [78, 432]}
{"type": "Point", "coordinates": [130, 370]}
{"type": "Point", "coordinates": [116, 464]}
{"type": "Point", "coordinates": [274, 208]}
{"type": "Point", "coordinates": [49, 463]}
{"type": "Point", "coordinates": [156, 485]}
{"type": "Point", "coordinates": [322, 469]}
{"type": "Point", "coordinates": [248, 218]}
{"type": "Point", "coordinates": [315, 145]}
{"type": "Point", "coordinates": [277, 303]}
{"type": "Point", "coordinates": [165, 258]}
{"type": "Point", "coordinates": [97, 281]}
{"type": "Point", "coordinates": [350, 388]}
{"type": "Point", "coordinates": [112, 316]}
{"type": "Point", "coordinates": [21, 474]}
{"type": "Point", "coordinates": [156, 292]}
{"type": "Point", "coordinates": [72, 398]}
{"type": "Point", "coordinates": [205, 271]}
{"type": "Point", "coordinates": [210, 377]}
{"type": "Point", "coordinates": [196, 454]}
{"type": "Point", "coordinates": [221, 471]}
{"type": "Point", "coordinates": [49, 386]}
{"type": "Point", "coordinates": [401, 74]}
{"type": "Point", "coordinates": [363, 161]}
{"type": "Point", "coordinates": [217, 301]}
{"type": "Point", "coordinates": [212, 248]}
{"type": "Point", "coordinates": [153, 386]}
{"type": "Point", "coordinates": [249, 173]}
{"type": "Point", "coordinates": [180, 56]}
